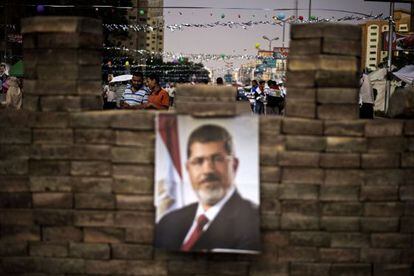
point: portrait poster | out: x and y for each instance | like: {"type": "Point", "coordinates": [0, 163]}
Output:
{"type": "Point", "coordinates": [206, 192]}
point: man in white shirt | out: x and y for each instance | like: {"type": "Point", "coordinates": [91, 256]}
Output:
{"type": "Point", "coordinates": [366, 98]}
{"type": "Point", "coordinates": [221, 219]}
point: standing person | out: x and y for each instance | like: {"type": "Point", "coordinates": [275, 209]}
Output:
{"type": "Point", "coordinates": [14, 94]}
{"type": "Point", "coordinates": [219, 81]}
{"type": "Point", "coordinates": [3, 79]}
{"type": "Point", "coordinates": [136, 94]}
{"type": "Point", "coordinates": [260, 98]}
{"type": "Point", "coordinates": [366, 98]}
{"type": "Point", "coordinates": [255, 85]}
{"type": "Point", "coordinates": [171, 93]}
{"type": "Point", "coordinates": [221, 219]}
{"type": "Point", "coordinates": [273, 98]}
{"type": "Point", "coordinates": [158, 99]}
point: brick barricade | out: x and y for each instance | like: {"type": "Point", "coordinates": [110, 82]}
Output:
{"type": "Point", "coordinates": [76, 196]}
{"type": "Point", "coordinates": [62, 61]}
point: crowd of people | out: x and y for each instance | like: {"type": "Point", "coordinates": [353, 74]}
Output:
{"type": "Point", "coordinates": [267, 98]}
{"type": "Point", "coordinates": [139, 93]}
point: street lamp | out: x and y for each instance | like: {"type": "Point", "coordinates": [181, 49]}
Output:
{"type": "Point", "coordinates": [270, 41]}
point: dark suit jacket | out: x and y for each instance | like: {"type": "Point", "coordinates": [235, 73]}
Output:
{"type": "Point", "coordinates": [236, 226]}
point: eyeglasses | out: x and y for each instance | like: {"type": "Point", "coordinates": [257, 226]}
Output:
{"type": "Point", "coordinates": [215, 159]}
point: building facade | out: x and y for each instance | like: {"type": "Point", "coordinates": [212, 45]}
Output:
{"type": "Point", "coordinates": [374, 49]}
{"type": "Point", "coordinates": [148, 12]}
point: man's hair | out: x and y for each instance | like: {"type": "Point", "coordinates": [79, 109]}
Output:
{"type": "Point", "coordinates": [211, 133]}
{"type": "Point", "coordinates": [219, 80]}
{"type": "Point", "coordinates": [3, 65]}
{"type": "Point", "coordinates": [254, 82]}
{"type": "Point", "coordinates": [262, 82]}
{"type": "Point", "coordinates": [154, 77]}
{"type": "Point", "coordinates": [138, 74]}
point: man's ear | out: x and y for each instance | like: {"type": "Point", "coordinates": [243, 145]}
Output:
{"type": "Point", "coordinates": [235, 164]}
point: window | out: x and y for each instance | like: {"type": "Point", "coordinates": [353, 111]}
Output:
{"type": "Point", "coordinates": [372, 46]}
{"type": "Point", "coordinates": [403, 28]}
{"type": "Point", "coordinates": [374, 27]}
{"type": "Point", "coordinates": [372, 52]}
{"type": "Point", "coordinates": [372, 59]}
{"type": "Point", "coordinates": [373, 40]}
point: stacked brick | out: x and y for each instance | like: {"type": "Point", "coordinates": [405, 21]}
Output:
{"type": "Point", "coordinates": [323, 71]}
{"type": "Point", "coordinates": [76, 197]}
{"type": "Point", "coordinates": [205, 100]}
{"type": "Point", "coordinates": [62, 63]}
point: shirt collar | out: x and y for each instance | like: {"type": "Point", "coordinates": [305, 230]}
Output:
{"type": "Point", "coordinates": [213, 211]}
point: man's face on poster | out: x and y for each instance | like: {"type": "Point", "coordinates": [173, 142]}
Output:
{"type": "Point", "coordinates": [211, 170]}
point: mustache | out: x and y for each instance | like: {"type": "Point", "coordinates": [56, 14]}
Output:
{"type": "Point", "coordinates": [210, 177]}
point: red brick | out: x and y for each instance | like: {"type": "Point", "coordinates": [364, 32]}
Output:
{"type": "Point", "coordinates": [52, 200]}
{"type": "Point", "coordinates": [94, 218]}
{"type": "Point", "coordinates": [351, 269]}
{"type": "Point", "coordinates": [16, 217]}
{"type": "Point", "coordinates": [388, 240]}
{"type": "Point", "coordinates": [380, 160]}
{"type": "Point", "coordinates": [387, 144]}
{"type": "Point", "coordinates": [48, 249]}
{"type": "Point", "coordinates": [16, 136]}
{"type": "Point", "coordinates": [135, 202]}
{"type": "Point", "coordinates": [376, 255]}
{"type": "Point", "coordinates": [133, 155]}
{"type": "Point", "coordinates": [302, 126]}
{"type": "Point", "coordinates": [269, 174]}
{"type": "Point", "coordinates": [346, 144]}
{"type": "Point", "coordinates": [298, 159]}
{"type": "Point", "coordinates": [407, 160]}
{"type": "Point", "coordinates": [91, 168]}
{"type": "Point", "coordinates": [298, 254]}
{"type": "Point", "coordinates": [63, 233]}
{"type": "Point", "coordinates": [13, 248]}
{"type": "Point", "coordinates": [14, 184]}
{"type": "Point", "coordinates": [342, 224]}
{"type": "Point", "coordinates": [379, 193]}
{"type": "Point", "coordinates": [95, 201]}
{"type": "Point", "coordinates": [132, 185]}
{"type": "Point", "coordinates": [53, 136]}
{"type": "Point", "coordinates": [305, 143]}
{"type": "Point", "coordinates": [268, 155]}
{"type": "Point", "coordinates": [407, 193]}
{"type": "Point", "coordinates": [344, 128]}
{"type": "Point", "coordinates": [339, 255]}
{"type": "Point", "coordinates": [50, 184]}
{"type": "Point", "coordinates": [338, 177]}
{"type": "Point", "coordinates": [53, 217]}
{"type": "Point", "coordinates": [300, 109]}
{"type": "Point", "coordinates": [383, 128]}
{"type": "Point", "coordinates": [350, 240]}
{"type": "Point", "coordinates": [92, 184]}
{"type": "Point", "coordinates": [407, 224]}
{"type": "Point", "coordinates": [309, 269]}
{"type": "Point", "coordinates": [142, 233]}
{"type": "Point", "coordinates": [108, 267]}
{"type": "Point", "coordinates": [132, 219]}
{"type": "Point", "coordinates": [15, 200]}
{"type": "Point", "coordinates": [342, 209]}
{"type": "Point", "coordinates": [337, 96]}
{"type": "Point", "coordinates": [375, 224]}
{"type": "Point", "coordinates": [381, 177]}
{"type": "Point", "coordinates": [318, 239]}
{"type": "Point", "coordinates": [299, 191]}
{"type": "Point", "coordinates": [302, 176]}
{"type": "Point", "coordinates": [131, 251]}
{"type": "Point", "coordinates": [94, 136]}
{"type": "Point", "coordinates": [392, 269]}
{"type": "Point", "coordinates": [381, 209]}
{"type": "Point", "coordinates": [103, 235]}
{"type": "Point", "coordinates": [338, 111]}
{"type": "Point", "coordinates": [339, 193]}
{"type": "Point", "coordinates": [303, 207]}
{"type": "Point", "coordinates": [20, 233]}
{"type": "Point", "coordinates": [299, 222]}
{"type": "Point", "coordinates": [89, 251]}
{"type": "Point", "coordinates": [340, 160]}
{"type": "Point", "coordinates": [135, 138]}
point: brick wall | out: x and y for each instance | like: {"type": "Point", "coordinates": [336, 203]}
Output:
{"type": "Point", "coordinates": [76, 193]}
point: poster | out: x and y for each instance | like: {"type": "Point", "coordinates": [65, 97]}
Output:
{"type": "Point", "coordinates": [207, 184]}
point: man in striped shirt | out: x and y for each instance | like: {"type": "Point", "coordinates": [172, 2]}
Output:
{"type": "Point", "coordinates": [136, 94]}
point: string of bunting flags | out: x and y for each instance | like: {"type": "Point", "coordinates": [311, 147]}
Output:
{"type": "Point", "coordinates": [277, 20]}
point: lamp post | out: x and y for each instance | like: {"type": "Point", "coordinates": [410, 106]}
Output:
{"type": "Point", "coordinates": [270, 41]}
{"type": "Point", "coordinates": [310, 9]}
